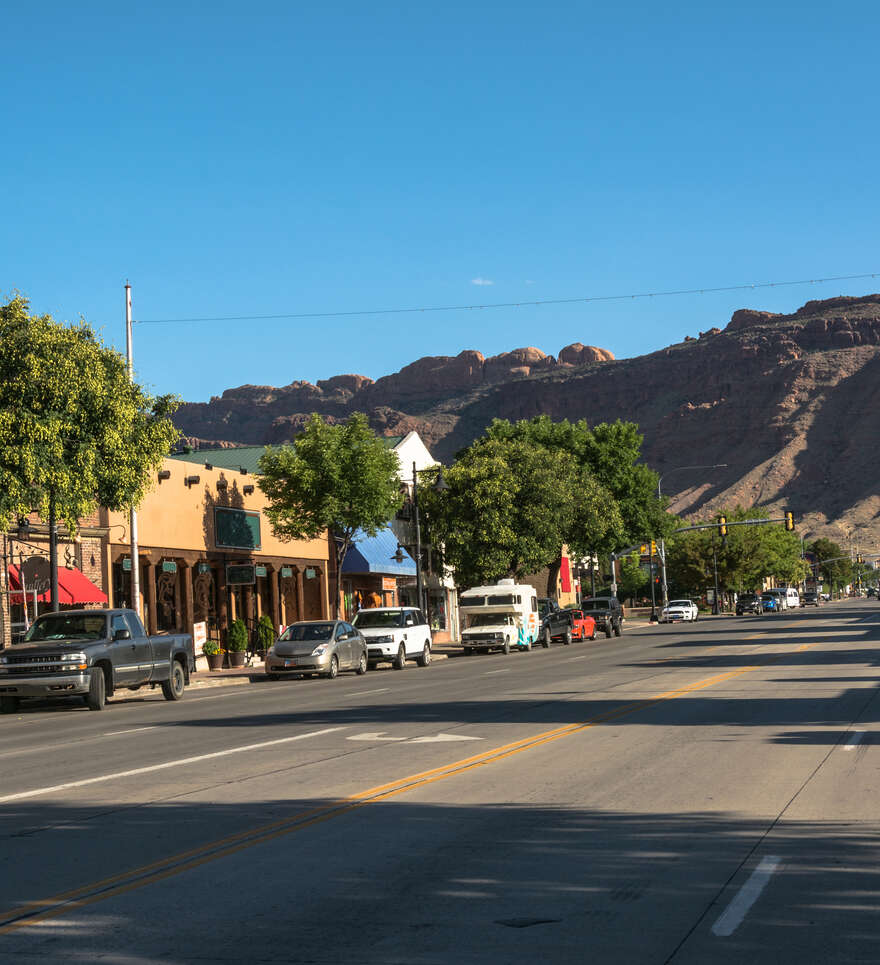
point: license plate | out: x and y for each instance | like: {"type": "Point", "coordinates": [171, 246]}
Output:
{"type": "Point", "coordinates": [290, 663]}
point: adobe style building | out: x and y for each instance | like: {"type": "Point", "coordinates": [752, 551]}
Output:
{"type": "Point", "coordinates": [207, 552]}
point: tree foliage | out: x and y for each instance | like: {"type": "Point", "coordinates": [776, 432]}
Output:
{"type": "Point", "coordinates": [834, 564]}
{"type": "Point", "coordinates": [73, 427]}
{"type": "Point", "coordinates": [744, 559]}
{"type": "Point", "coordinates": [340, 477]}
{"type": "Point", "coordinates": [506, 512]}
{"type": "Point", "coordinates": [609, 454]}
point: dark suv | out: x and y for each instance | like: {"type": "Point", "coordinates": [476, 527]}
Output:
{"type": "Point", "coordinates": [606, 611]}
{"type": "Point", "coordinates": [748, 603]}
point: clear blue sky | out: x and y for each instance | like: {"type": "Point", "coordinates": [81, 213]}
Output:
{"type": "Point", "coordinates": [246, 159]}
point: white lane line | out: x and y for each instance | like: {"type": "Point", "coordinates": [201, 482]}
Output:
{"type": "Point", "coordinates": [131, 730]}
{"type": "Point", "coordinates": [733, 915]}
{"type": "Point", "coordinates": [364, 693]}
{"type": "Point", "coordinates": [854, 741]}
{"type": "Point", "coordinates": [488, 673]}
{"type": "Point", "coordinates": [37, 792]}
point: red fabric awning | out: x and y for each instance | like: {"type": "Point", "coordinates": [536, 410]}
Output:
{"type": "Point", "coordinates": [565, 575]}
{"type": "Point", "coordinates": [73, 587]}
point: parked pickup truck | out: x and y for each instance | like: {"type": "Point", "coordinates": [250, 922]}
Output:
{"type": "Point", "coordinates": [93, 653]}
{"type": "Point", "coordinates": [607, 613]}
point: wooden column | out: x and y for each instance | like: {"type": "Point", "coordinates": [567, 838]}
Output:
{"type": "Point", "coordinates": [188, 602]}
{"type": "Point", "coordinates": [222, 602]}
{"type": "Point", "coordinates": [300, 601]}
{"type": "Point", "coordinates": [275, 596]}
{"type": "Point", "coordinates": [149, 580]}
{"type": "Point", "coordinates": [179, 616]}
{"type": "Point", "coordinates": [325, 594]}
{"type": "Point", "coordinates": [248, 614]}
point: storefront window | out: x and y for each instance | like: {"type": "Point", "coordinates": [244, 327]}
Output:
{"type": "Point", "coordinates": [437, 610]}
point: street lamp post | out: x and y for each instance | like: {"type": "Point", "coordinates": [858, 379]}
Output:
{"type": "Point", "coordinates": [664, 589]}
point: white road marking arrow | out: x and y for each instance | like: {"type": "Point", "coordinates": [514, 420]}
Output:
{"type": "Point", "coordinates": [374, 736]}
{"type": "Point", "coordinates": [443, 737]}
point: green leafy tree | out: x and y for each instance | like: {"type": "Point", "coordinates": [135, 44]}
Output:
{"type": "Point", "coordinates": [624, 489]}
{"type": "Point", "coordinates": [744, 559]}
{"type": "Point", "coordinates": [340, 477]}
{"type": "Point", "coordinates": [75, 432]}
{"type": "Point", "coordinates": [633, 580]}
{"type": "Point", "coordinates": [834, 564]}
{"type": "Point", "coordinates": [508, 508]}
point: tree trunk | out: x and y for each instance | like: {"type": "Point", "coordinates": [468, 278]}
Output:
{"type": "Point", "coordinates": [341, 553]}
{"type": "Point", "coordinates": [553, 578]}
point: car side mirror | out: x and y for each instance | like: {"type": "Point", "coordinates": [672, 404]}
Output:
{"type": "Point", "coordinates": [122, 635]}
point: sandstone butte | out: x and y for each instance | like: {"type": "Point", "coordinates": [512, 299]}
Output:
{"type": "Point", "coordinates": [789, 402]}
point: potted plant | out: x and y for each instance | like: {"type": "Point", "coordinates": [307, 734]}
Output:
{"type": "Point", "coordinates": [236, 643]}
{"type": "Point", "coordinates": [265, 634]}
{"type": "Point", "coordinates": [213, 653]}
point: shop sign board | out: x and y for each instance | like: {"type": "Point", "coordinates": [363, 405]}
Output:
{"type": "Point", "coordinates": [200, 633]}
{"type": "Point", "coordinates": [169, 566]}
{"type": "Point", "coordinates": [389, 583]}
{"type": "Point", "coordinates": [310, 574]}
{"type": "Point", "coordinates": [286, 572]}
{"type": "Point", "coordinates": [236, 528]}
{"type": "Point", "coordinates": [261, 571]}
{"type": "Point", "coordinates": [36, 575]}
{"type": "Point", "coordinates": [240, 574]}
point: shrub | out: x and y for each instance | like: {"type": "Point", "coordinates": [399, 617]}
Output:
{"type": "Point", "coordinates": [265, 632]}
{"type": "Point", "coordinates": [211, 647]}
{"type": "Point", "coordinates": [237, 636]}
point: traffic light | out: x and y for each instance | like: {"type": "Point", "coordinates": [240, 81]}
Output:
{"type": "Point", "coordinates": [860, 559]}
{"type": "Point", "coordinates": [653, 548]}
{"type": "Point", "coordinates": [643, 549]}
{"type": "Point", "coordinates": [722, 526]}
{"type": "Point", "coordinates": [789, 521]}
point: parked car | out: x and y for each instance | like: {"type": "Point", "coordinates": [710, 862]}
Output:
{"type": "Point", "coordinates": [584, 626]}
{"type": "Point", "coordinates": [317, 647]}
{"type": "Point", "coordinates": [678, 611]}
{"type": "Point", "coordinates": [748, 603]}
{"type": "Point", "coordinates": [810, 598]}
{"type": "Point", "coordinates": [396, 633]}
{"type": "Point", "coordinates": [770, 602]}
{"type": "Point", "coordinates": [607, 613]}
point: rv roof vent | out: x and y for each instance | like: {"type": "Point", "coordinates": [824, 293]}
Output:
{"type": "Point", "coordinates": [507, 582]}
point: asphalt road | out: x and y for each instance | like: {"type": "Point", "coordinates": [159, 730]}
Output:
{"type": "Point", "coordinates": [688, 794]}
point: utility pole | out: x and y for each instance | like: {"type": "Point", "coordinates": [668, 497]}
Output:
{"type": "Point", "coordinates": [419, 587]}
{"type": "Point", "coordinates": [716, 609]}
{"type": "Point", "coordinates": [132, 519]}
{"type": "Point", "coordinates": [53, 557]}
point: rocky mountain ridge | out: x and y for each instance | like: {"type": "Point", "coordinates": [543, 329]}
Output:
{"type": "Point", "coordinates": [785, 400]}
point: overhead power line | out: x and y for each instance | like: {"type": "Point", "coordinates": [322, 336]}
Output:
{"type": "Point", "coordinates": [521, 304]}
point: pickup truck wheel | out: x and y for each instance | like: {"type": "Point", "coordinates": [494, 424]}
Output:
{"type": "Point", "coordinates": [400, 659]}
{"type": "Point", "coordinates": [566, 640]}
{"type": "Point", "coordinates": [172, 689]}
{"type": "Point", "coordinates": [8, 705]}
{"type": "Point", "coordinates": [468, 651]}
{"type": "Point", "coordinates": [97, 695]}
{"type": "Point", "coordinates": [425, 657]}
{"type": "Point", "coordinates": [362, 665]}
{"type": "Point", "coordinates": [618, 630]}
{"type": "Point", "coordinates": [505, 649]}
{"type": "Point", "coordinates": [593, 634]}
{"type": "Point", "coordinates": [333, 672]}
{"type": "Point", "coordinates": [607, 631]}
{"type": "Point", "coordinates": [545, 639]}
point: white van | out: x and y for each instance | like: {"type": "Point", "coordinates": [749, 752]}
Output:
{"type": "Point", "coordinates": [792, 597]}
{"type": "Point", "coordinates": [500, 616]}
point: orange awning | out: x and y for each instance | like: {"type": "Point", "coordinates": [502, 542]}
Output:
{"type": "Point", "coordinates": [73, 587]}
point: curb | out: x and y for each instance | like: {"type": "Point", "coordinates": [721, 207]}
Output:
{"type": "Point", "coordinates": [206, 679]}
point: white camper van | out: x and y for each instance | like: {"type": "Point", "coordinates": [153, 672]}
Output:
{"type": "Point", "coordinates": [500, 616]}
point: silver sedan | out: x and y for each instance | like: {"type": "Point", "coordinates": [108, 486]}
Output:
{"type": "Point", "coordinates": [322, 647]}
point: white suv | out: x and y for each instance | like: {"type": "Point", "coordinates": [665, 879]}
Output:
{"type": "Point", "coordinates": [396, 633]}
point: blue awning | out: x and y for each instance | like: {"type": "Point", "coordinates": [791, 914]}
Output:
{"type": "Point", "coordinates": [374, 554]}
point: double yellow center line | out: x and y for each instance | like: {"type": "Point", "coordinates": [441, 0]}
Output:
{"type": "Point", "coordinates": [68, 901]}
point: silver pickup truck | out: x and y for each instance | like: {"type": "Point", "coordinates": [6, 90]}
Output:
{"type": "Point", "coordinates": [93, 653]}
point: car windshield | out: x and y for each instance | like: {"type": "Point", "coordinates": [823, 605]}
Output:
{"type": "Point", "coordinates": [490, 619]}
{"type": "Point", "coordinates": [62, 626]}
{"type": "Point", "coordinates": [679, 602]}
{"type": "Point", "coordinates": [596, 604]}
{"type": "Point", "coordinates": [747, 597]}
{"type": "Point", "coordinates": [369, 619]}
{"type": "Point", "coordinates": [308, 631]}
{"type": "Point", "coordinates": [768, 596]}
